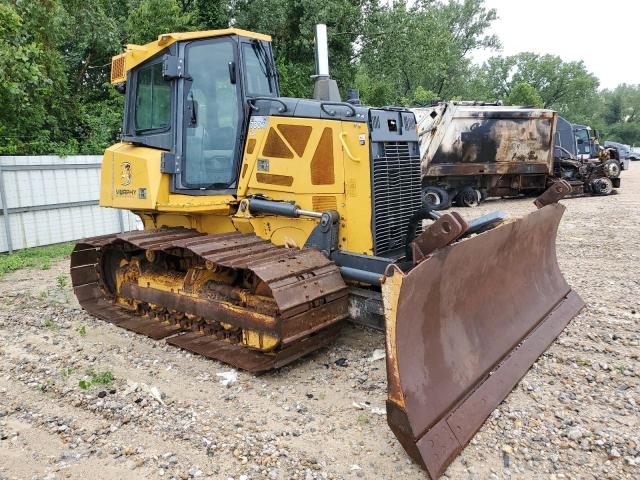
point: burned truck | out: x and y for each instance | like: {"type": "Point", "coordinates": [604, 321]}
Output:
{"type": "Point", "coordinates": [472, 150]}
{"type": "Point", "coordinates": [580, 159]}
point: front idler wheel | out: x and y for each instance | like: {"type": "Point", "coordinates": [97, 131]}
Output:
{"type": "Point", "coordinates": [110, 261]}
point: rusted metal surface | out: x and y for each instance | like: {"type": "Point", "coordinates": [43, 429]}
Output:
{"type": "Point", "coordinates": [479, 168]}
{"type": "Point", "coordinates": [250, 360]}
{"type": "Point", "coordinates": [496, 150]}
{"type": "Point", "coordinates": [557, 191]}
{"type": "Point", "coordinates": [453, 355]}
{"type": "Point", "coordinates": [291, 295]}
{"type": "Point", "coordinates": [459, 139]}
{"type": "Point", "coordinates": [446, 229]}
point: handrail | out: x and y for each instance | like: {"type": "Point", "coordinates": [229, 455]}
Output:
{"type": "Point", "coordinates": [346, 148]}
{"type": "Point", "coordinates": [250, 101]}
{"type": "Point", "coordinates": [352, 113]}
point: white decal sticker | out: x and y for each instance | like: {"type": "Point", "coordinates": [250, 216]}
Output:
{"type": "Point", "coordinates": [258, 122]}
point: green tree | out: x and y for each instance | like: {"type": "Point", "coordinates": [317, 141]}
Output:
{"type": "Point", "coordinates": [619, 114]}
{"type": "Point", "coordinates": [150, 18]}
{"type": "Point", "coordinates": [212, 14]}
{"type": "Point", "coordinates": [291, 24]}
{"type": "Point", "coordinates": [54, 67]}
{"type": "Point", "coordinates": [425, 44]}
{"type": "Point", "coordinates": [33, 86]}
{"type": "Point", "coordinates": [524, 94]}
{"type": "Point", "coordinates": [567, 87]}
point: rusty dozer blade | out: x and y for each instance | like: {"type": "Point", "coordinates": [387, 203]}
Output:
{"type": "Point", "coordinates": [464, 326]}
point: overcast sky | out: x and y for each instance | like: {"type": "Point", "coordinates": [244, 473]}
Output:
{"type": "Point", "coordinates": [604, 34]}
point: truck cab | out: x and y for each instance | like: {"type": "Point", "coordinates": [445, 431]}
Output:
{"type": "Point", "coordinates": [587, 141]}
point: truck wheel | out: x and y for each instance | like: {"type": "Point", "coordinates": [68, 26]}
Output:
{"type": "Point", "coordinates": [611, 169]}
{"type": "Point", "coordinates": [468, 197]}
{"type": "Point", "coordinates": [602, 186]}
{"type": "Point", "coordinates": [435, 198]}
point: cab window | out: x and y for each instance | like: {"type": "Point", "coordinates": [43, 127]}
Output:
{"type": "Point", "coordinates": [212, 115]}
{"type": "Point", "coordinates": [583, 141]}
{"type": "Point", "coordinates": [153, 100]}
{"type": "Point", "coordinates": [259, 77]}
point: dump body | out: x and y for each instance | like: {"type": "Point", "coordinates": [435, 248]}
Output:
{"type": "Point", "coordinates": [499, 151]}
{"type": "Point", "coordinates": [471, 151]}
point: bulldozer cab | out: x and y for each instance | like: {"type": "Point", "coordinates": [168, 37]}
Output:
{"type": "Point", "coordinates": [192, 99]}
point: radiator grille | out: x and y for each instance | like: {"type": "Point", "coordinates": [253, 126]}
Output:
{"type": "Point", "coordinates": [117, 69]}
{"type": "Point", "coordinates": [396, 195]}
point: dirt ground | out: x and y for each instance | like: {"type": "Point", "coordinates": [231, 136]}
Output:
{"type": "Point", "coordinates": [165, 413]}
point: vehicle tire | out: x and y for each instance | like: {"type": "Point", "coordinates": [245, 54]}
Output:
{"type": "Point", "coordinates": [435, 198]}
{"type": "Point", "coordinates": [602, 186]}
{"type": "Point", "coordinates": [612, 169]}
{"type": "Point", "coordinates": [468, 197]}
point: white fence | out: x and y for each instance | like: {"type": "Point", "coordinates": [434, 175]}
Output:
{"type": "Point", "coordinates": [50, 199]}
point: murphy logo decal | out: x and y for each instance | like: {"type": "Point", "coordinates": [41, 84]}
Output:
{"type": "Point", "coordinates": [125, 175]}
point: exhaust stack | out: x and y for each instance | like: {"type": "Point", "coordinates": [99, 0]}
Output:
{"type": "Point", "coordinates": [325, 88]}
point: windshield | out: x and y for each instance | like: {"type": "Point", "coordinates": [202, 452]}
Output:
{"type": "Point", "coordinates": [211, 116]}
{"type": "Point", "coordinates": [583, 141]}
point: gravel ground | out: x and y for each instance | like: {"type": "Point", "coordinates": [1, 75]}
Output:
{"type": "Point", "coordinates": [165, 413]}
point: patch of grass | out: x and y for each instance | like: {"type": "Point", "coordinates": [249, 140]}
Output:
{"type": "Point", "coordinates": [363, 419]}
{"type": "Point", "coordinates": [61, 281]}
{"type": "Point", "coordinates": [43, 294]}
{"type": "Point", "coordinates": [620, 368]}
{"type": "Point", "coordinates": [102, 378]}
{"type": "Point", "coordinates": [67, 372]}
{"type": "Point", "coordinates": [96, 378]}
{"type": "Point", "coordinates": [583, 362]}
{"type": "Point", "coordinates": [51, 325]}
{"type": "Point", "coordinates": [37, 257]}
{"type": "Point", "coordinates": [82, 330]}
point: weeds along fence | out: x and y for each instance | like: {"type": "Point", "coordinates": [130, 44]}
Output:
{"type": "Point", "coordinates": [50, 199]}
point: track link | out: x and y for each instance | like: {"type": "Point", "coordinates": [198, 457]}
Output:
{"type": "Point", "coordinates": [296, 296]}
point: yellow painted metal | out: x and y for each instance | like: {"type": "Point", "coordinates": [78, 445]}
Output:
{"type": "Point", "coordinates": [125, 170]}
{"type": "Point", "coordinates": [351, 188]}
{"type": "Point", "coordinates": [297, 166]}
{"type": "Point", "coordinates": [131, 179]}
{"type": "Point", "coordinates": [136, 54]}
{"type": "Point", "coordinates": [355, 207]}
{"type": "Point", "coordinates": [259, 340]}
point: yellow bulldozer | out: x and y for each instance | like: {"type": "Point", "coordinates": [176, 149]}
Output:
{"type": "Point", "coordinates": [269, 221]}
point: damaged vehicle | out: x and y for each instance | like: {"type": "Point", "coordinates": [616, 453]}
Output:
{"type": "Point", "coordinates": [474, 150]}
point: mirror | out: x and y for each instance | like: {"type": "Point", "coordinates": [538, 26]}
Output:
{"type": "Point", "coordinates": [170, 68]}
